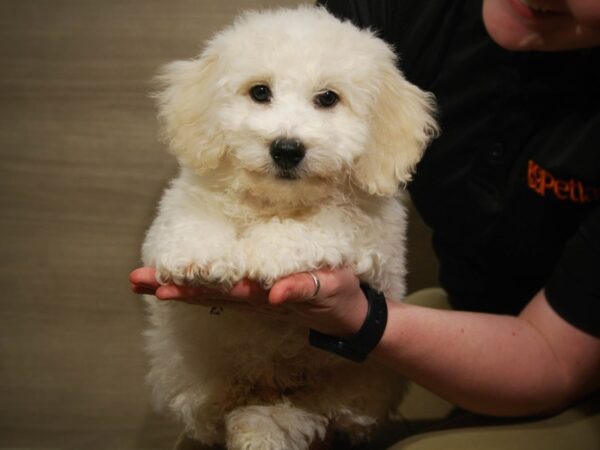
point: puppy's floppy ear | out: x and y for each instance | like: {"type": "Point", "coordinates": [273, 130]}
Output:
{"type": "Point", "coordinates": [185, 110]}
{"type": "Point", "coordinates": [402, 125]}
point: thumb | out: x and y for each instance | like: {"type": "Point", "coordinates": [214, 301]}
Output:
{"type": "Point", "coordinates": [299, 287]}
{"type": "Point", "coordinates": [302, 287]}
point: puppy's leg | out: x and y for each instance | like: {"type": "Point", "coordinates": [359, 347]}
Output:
{"type": "Point", "coordinates": [190, 242]}
{"type": "Point", "coordinates": [276, 249]}
{"type": "Point", "coordinates": [357, 399]}
{"type": "Point", "coordinates": [273, 427]}
{"type": "Point", "coordinates": [202, 421]}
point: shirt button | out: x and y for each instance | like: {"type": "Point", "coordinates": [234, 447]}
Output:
{"type": "Point", "coordinates": [495, 153]}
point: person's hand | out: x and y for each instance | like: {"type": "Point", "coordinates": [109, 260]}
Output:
{"type": "Point", "coordinates": [339, 308]}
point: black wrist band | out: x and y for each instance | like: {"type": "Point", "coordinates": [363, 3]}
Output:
{"type": "Point", "coordinates": [358, 347]}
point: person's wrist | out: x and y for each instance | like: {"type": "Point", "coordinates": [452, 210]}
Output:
{"type": "Point", "coordinates": [354, 314]}
{"type": "Point", "coordinates": [357, 346]}
{"type": "Point", "coordinates": [396, 332]}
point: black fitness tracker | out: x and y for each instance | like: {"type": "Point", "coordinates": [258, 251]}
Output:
{"type": "Point", "coordinates": [358, 347]}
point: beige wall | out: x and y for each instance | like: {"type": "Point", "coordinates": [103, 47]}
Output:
{"type": "Point", "coordinates": [80, 173]}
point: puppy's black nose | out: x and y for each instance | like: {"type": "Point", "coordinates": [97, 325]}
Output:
{"type": "Point", "coordinates": [287, 153]}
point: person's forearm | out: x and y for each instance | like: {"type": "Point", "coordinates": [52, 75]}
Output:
{"type": "Point", "coordinates": [489, 364]}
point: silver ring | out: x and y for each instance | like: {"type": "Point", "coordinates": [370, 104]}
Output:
{"type": "Point", "coordinates": [317, 285]}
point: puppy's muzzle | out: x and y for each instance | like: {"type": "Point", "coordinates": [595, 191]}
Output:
{"type": "Point", "coordinates": [287, 153]}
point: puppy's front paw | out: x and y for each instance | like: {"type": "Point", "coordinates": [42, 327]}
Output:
{"type": "Point", "coordinates": [194, 272]}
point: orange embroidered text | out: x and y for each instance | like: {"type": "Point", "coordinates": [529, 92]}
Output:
{"type": "Point", "coordinates": [544, 183]}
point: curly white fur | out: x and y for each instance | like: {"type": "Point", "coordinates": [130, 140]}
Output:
{"type": "Point", "coordinates": [255, 383]}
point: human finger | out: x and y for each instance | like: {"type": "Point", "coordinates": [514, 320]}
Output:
{"type": "Point", "coordinates": [142, 290]}
{"type": "Point", "coordinates": [194, 295]}
{"type": "Point", "coordinates": [303, 286]}
{"type": "Point", "coordinates": [245, 296]}
{"type": "Point", "coordinates": [144, 276]}
{"type": "Point", "coordinates": [250, 291]}
{"type": "Point", "coordinates": [176, 292]}
{"type": "Point", "coordinates": [246, 291]}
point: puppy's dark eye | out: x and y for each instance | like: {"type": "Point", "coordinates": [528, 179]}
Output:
{"type": "Point", "coordinates": [326, 99]}
{"type": "Point", "coordinates": [260, 93]}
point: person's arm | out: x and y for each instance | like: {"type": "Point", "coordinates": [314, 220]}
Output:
{"type": "Point", "coordinates": [498, 365]}
{"type": "Point", "coordinates": [492, 364]}
{"type": "Point", "coordinates": [489, 364]}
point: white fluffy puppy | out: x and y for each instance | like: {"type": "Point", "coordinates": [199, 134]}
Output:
{"type": "Point", "coordinates": [293, 131]}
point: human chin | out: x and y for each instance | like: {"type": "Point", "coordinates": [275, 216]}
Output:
{"type": "Point", "coordinates": [507, 24]}
{"type": "Point", "coordinates": [515, 26]}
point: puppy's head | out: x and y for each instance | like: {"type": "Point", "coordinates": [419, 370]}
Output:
{"type": "Point", "coordinates": [293, 103]}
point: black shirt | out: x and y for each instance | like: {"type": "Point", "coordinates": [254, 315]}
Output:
{"type": "Point", "coordinates": [511, 188]}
